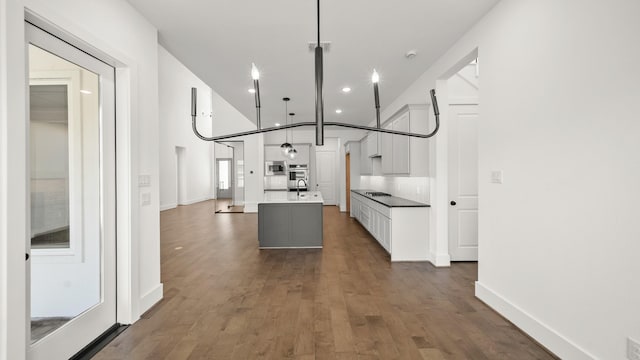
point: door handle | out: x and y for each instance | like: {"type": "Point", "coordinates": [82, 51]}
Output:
{"type": "Point", "coordinates": [453, 203]}
{"type": "Point", "coordinates": [26, 256]}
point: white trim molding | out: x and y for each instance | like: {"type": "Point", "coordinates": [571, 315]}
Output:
{"type": "Point", "coordinates": [168, 206]}
{"type": "Point", "coordinates": [151, 298]}
{"type": "Point", "coordinates": [192, 201]}
{"type": "Point", "coordinates": [250, 207]}
{"type": "Point", "coordinates": [440, 259]}
{"type": "Point", "coordinates": [541, 332]}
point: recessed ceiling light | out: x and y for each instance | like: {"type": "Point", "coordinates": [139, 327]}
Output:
{"type": "Point", "coordinates": [252, 91]}
{"type": "Point", "coordinates": [86, 92]}
{"type": "Point", "coordinates": [411, 54]}
{"type": "Point", "coordinates": [338, 111]}
{"type": "Point", "coordinates": [278, 124]}
{"type": "Point", "coordinates": [346, 89]}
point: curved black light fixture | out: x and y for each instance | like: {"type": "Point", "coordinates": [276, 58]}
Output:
{"type": "Point", "coordinates": [319, 123]}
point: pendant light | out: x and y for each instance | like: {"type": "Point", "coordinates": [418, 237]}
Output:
{"type": "Point", "coordinates": [285, 147]}
{"type": "Point", "coordinates": [292, 152]}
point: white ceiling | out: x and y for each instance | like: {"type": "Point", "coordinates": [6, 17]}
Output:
{"type": "Point", "coordinates": [219, 39]}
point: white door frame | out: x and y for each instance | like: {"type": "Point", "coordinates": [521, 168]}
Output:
{"type": "Point", "coordinates": [13, 163]}
{"type": "Point", "coordinates": [439, 159]}
{"type": "Point", "coordinates": [100, 316]}
{"type": "Point", "coordinates": [127, 168]}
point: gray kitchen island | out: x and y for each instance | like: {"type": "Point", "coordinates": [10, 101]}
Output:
{"type": "Point", "coordinates": [289, 220]}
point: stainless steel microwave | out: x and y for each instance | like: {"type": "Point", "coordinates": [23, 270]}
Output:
{"type": "Point", "coordinates": [272, 168]}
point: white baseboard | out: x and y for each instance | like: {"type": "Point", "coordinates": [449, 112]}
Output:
{"type": "Point", "coordinates": [193, 201]}
{"type": "Point", "coordinates": [151, 298]}
{"type": "Point", "coordinates": [440, 260]}
{"type": "Point", "coordinates": [168, 206]}
{"type": "Point", "coordinates": [250, 207]}
{"type": "Point", "coordinates": [545, 335]}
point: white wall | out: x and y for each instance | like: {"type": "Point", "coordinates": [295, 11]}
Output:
{"type": "Point", "coordinates": [174, 84]}
{"type": "Point", "coordinates": [115, 28]}
{"type": "Point", "coordinates": [559, 239]}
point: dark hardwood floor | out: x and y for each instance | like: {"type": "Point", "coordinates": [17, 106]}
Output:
{"type": "Point", "coordinates": [225, 299]}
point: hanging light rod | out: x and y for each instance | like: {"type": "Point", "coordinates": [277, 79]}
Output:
{"type": "Point", "coordinates": [319, 123]}
{"type": "Point", "coordinates": [255, 75]}
{"type": "Point", "coordinates": [375, 78]}
{"type": "Point", "coordinates": [319, 79]}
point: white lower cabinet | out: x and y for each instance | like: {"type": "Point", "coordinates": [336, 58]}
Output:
{"type": "Point", "coordinates": [402, 231]}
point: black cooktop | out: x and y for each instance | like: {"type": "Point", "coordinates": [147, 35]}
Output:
{"type": "Point", "coordinates": [388, 199]}
{"type": "Point", "coordinates": [376, 193]}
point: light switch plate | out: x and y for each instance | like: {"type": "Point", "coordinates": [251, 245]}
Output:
{"type": "Point", "coordinates": [144, 180]}
{"type": "Point", "coordinates": [496, 176]}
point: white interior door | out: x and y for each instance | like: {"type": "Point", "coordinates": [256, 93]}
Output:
{"type": "Point", "coordinates": [463, 182]}
{"type": "Point", "coordinates": [72, 267]}
{"type": "Point", "coordinates": [326, 175]}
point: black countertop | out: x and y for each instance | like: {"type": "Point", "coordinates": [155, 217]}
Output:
{"type": "Point", "coordinates": [391, 201]}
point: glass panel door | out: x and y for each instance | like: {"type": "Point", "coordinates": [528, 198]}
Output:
{"type": "Point", "coordinates": [72, 197]}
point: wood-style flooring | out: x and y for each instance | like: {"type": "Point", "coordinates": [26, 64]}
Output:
{"type": "Point", "coordinates": [224, 206]}
{"type": "Point", "coordinates": [225, 299]}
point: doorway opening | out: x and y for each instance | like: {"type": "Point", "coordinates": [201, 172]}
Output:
{"type": "Point", "coordinates": [229, 177]}
{"type": "Point", "coordinates": [462, 162]}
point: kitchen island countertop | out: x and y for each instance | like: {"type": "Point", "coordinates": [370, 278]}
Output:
{"type": "Point", "coordinates": [286, 197]}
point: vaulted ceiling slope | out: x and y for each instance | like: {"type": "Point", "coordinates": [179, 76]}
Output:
{"type": "Point", "coordinates": [219, 39]}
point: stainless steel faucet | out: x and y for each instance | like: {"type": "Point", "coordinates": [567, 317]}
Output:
{"type": "Point", "coordinates": [298, 185]}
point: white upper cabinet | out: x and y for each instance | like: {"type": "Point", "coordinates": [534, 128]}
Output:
{"type": "Point", "coordinates": [386, 149]}
{"type": "Point", "coordinates": [400, 145]}
{"type": "Point", "coordinates": [366, 164]}
{"type": "Point", "coordinates": [373, 144]}
{"type": "Point", "coordinates": [403, 155]}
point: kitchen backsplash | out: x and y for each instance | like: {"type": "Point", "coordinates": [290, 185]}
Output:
{"type": "Point", "coordinates": [275, 182]}
{"type": "Point", "coordinates": [412, 188]}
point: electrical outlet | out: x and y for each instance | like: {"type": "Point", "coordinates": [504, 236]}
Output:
{"type": "Point", "coordinates": [145, 199]}
{"type": "Point", "coordinates": [633, 349]}
{"type": "Point", "coordinates": [496, 176]}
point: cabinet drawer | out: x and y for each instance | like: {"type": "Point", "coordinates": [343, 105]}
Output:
{"type": "Point", "coordinates": [382, 209]}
